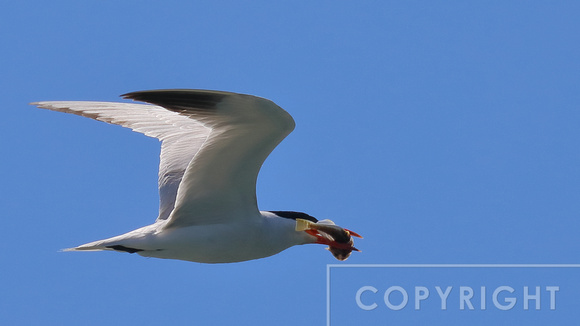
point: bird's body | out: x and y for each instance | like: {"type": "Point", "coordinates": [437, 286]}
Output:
{"type": "Point", "coordinates": [264, 236]}
{"type": "Point", "coordinates": [213, 145]}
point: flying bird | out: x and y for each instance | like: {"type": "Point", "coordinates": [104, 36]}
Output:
{"type": "Point", "coordinates": [213, 144]}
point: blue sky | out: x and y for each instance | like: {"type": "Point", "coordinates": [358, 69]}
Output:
{"type": "Point", "coordinates": [443, 132]}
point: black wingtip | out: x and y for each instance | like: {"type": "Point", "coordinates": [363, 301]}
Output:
{"type": "Point", "coordinates": [178, 99]}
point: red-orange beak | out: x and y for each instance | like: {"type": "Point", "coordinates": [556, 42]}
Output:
{"type": "Point", "coordinates": [354, 234]}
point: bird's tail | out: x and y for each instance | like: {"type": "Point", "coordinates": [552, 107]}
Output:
{"type": "Point", "coordinates": [130, 242]}
{"type": "Point", "coordinates": [91, 246]}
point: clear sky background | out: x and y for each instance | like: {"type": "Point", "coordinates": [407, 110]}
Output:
{"type": "Point", "coordinates": [442, 131]}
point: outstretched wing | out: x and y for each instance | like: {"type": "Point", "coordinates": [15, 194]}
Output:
{"type": "Point", "coordinates": [181, 137]}
{"type": "Point", "coordinates": [213, 145]}
{"type": "Point", "coordinates": [220, 181]}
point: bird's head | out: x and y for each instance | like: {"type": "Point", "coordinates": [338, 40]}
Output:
{"type": "Point", "coordinates": [339, 240]}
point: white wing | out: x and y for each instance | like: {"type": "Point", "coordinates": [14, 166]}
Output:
{"type": "Point", "coordinates": [181, 137]}
{"type": "Point", "coordinates": [230, 135]}
{"type": "Point", "coordinates": [220, 182]}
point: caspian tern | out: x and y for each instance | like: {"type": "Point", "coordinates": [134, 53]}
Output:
{"type": "Point", "coordinates": [213, 144]}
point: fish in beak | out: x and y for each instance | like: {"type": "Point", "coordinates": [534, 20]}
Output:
{"type": "Point", "coordinates": [339, 240]}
